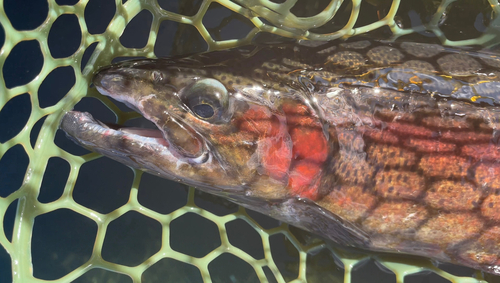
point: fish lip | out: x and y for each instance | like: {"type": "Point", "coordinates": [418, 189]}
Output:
{"type": "Point", "coordinates": [83, 128]}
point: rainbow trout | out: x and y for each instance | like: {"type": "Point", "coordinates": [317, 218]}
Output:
{"type": "Point", "coordinates": [383, 146]}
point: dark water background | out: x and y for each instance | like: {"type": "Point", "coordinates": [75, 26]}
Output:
{"type": "Point", "coordinates": [63, 240]}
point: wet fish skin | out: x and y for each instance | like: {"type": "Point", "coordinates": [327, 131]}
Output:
{"type": "Point", "coordinates": [388, 147]}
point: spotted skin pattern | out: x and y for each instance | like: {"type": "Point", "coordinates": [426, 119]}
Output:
{"type": "Point", "coordinates": [398, 142]}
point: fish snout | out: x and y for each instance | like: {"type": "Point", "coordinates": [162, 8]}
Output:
{"type": "Point", "coordinates": [109, 81]}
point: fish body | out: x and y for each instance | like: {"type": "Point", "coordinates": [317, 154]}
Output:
{"type": "Point", "coordinates": [384, 146]}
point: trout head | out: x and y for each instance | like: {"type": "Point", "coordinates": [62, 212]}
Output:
{"type": "Point", "coordinates": [229, 135]}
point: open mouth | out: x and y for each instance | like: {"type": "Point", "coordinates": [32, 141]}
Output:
{"type": "Point", "coordinates": [110, 138]}
{"type": "Point", "coordinates": [141, 148]}
{"type": "Point", "coordinates": [174, 142]}
{"type": "Point", "coordinates": [144, 129]}
{"type": "Point", "coordinates": [89, 132]}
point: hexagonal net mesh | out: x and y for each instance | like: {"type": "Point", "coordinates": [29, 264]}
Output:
{"type": "Point", "coordinates": [70, 215]}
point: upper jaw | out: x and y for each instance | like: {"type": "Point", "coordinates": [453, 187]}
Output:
{"type": "Point", "coordinates": [118, 83]}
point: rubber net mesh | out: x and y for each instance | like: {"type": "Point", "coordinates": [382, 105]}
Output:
{"type": "Point", "coordinates": [70, 215]}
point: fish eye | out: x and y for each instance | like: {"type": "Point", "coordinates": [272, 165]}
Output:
{"type": "Point", "coordinates": [204, 111]}
{"type": "Point", "coordinates": [207, 99]}
{"type": "Point", "coordinates": [156, 76]}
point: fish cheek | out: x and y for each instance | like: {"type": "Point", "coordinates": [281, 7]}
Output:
{"type": "Point", "coordinates": [152, 108]}
{"type": "Point", "coordinates": [186, 140]}
{"type": "Point", "coordinates": [240, 158]}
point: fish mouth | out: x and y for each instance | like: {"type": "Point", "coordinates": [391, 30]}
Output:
{"type": "Point", "coordinates": [130, 83]}
{"type": "Point", "coordinates": [113, 139]}
{"type": "Point", "coordinates": [82, 128]}
{"type": "Point", "coordinates": [140, 148]}
{"type": "Point", "coordinates": [123, 142]}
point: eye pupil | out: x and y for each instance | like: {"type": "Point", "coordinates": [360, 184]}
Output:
{"type": "Point", "coordinates": [203, 110]}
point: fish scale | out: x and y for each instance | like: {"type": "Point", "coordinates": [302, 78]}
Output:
{"type": "Point", "coordinates": [385, 146]}
{"type": "Point", "coordinates": [410, 182]}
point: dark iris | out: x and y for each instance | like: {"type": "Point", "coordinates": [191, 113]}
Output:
{"type": "Point", "coordinates": [204, 111]}
{"type": "Point", "coordinates": [206, 99]}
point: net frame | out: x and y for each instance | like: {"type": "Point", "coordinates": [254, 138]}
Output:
{"type": "Point", "coordinates": [280, 22]}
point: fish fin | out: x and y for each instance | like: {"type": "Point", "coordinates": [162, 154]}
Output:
{"type": "Point", "coordinates": [307, 215]}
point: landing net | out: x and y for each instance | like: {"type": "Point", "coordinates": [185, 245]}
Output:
{"type": "Point", "coordinates": [71, 215]}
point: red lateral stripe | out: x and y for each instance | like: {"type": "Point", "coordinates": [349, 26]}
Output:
{"type": "Point", "coordinates": [482, 151]}
{"type": "Point", "coordinates": [309, 144]}
{"type": "Point", "coordinates": [295, 120]}
{"type": "Point", "coordinates": [411, 130]}
{"type": "Point", "coordinates": [291, 108]}
{"type": "Point", "coordinates": [303, 180]}
{"type": "Point", "coordinates": [276, 156]}
{"type": "Point", "coordinates": [381, 136]}
{"type": "Point", "coordinates": [256, 112]}
{"type": "Point", "coordinates": [466, 137]}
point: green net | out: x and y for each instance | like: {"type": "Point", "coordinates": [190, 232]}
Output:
{"type": "Point", "coordinates": [70, 215]}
